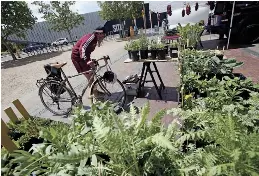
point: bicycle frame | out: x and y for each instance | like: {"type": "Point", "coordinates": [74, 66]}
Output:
{"type": "Point", "coordinates": [94, 75]}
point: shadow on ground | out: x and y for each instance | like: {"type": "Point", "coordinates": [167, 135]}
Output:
{"type": "Point", "coordinates": [168, 94]}
{"type": "Point", "coordinates": [28, 60]}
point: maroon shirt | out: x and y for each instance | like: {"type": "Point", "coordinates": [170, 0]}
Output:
{"type": "Point", "coordinates": [81, 52]}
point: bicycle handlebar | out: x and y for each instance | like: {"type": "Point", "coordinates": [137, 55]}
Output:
{"type": "Point", "coordinates": [105, 58]}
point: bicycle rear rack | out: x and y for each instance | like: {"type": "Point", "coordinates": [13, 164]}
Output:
{"type": "Point", "coordinates": [40, 82]}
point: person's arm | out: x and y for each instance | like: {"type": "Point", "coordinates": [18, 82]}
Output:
{"type": "Point", "coordinates": [84, 48]}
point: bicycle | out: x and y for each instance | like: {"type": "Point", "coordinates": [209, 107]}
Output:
{"type": "Point", "coordinates": [58, 88]}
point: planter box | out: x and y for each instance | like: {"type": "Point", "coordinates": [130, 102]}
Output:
{"type": "Point", "coordinates": [153, 54]}
{"type": "Point", "coordinates": [129, 53]}
{"type": "Point", "coordinates": [143, 54]}
{"type": "Point", "coordinates": [135, 55]}
{"type": "Point", "coordinates": [174, 52]}
{"type": "Point", "coordinates": [161, 54]}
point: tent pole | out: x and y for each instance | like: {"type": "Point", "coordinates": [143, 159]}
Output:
{"type": "Point", "coordinates": [231, 24]}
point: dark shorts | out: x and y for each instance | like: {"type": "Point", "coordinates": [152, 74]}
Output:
{"type": "Point", "coordinates": [80, 65]}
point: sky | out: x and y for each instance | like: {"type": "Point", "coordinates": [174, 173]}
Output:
{"type": "Point", "coordinates": [80, 6]}
{"type": "Point", "coordinates": [91, 6]}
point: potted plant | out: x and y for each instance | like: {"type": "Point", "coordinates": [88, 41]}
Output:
{"type": "Point", "coordinates": [153, 49]}
{"type": "Point", "coordinates": [135, 50]}
{"type": "Point", "coordinates": [143, 47]}
{"type": "Point", "coordinates": [174, 49]}
{"type": "Point", "coordinates": [190, 35]}
{"type": "Point", "coordinates": [161, 51]}
{"type": "Point", "coordinates": [166, 46]}
{"type": "Point", "coordinates": [128, 48]}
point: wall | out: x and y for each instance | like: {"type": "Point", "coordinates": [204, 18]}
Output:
{"type": "Point", "coordinates": [42, 32]}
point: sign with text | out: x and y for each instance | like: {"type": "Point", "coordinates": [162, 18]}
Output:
{"type": "Point", "coordinates": [116, 27]}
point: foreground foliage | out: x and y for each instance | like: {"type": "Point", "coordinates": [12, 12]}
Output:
{"type": "Point", "coordinates": [99, 142]}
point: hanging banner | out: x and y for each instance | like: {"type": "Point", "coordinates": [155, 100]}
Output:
{"type": "Point", "coordinates": [116, 27]}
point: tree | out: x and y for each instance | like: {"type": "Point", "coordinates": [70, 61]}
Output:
{"type": "Point", "coordinates": [120, 10]}
{"type": "Point", "coordinates": [136, 9]}
{"type": "Point", "coordinates": [59, 15]}
{"type": "Point", "coordinates": [16, 18]}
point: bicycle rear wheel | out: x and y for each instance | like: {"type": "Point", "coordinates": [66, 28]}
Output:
{"type": "Point", "coordinates": [60, 101]}
{"type": "Point", "coordinates": [114, 93]}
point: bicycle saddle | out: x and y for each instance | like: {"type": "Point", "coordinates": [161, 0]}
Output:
{"type": "Point", "coordinates": [58, 65]}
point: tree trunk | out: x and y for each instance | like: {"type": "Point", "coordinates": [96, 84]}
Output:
{"type": "Point", "coordinates": [9, 49]}
{"type": "Point", "coordinates": [17, 51]}
{"type": "Point", "coordinates": [69, 33]}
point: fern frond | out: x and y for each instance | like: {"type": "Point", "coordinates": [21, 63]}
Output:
{"type": "Point", "coordinates": [144, 114]}
{"type": "Point", "coordinates": [100, 130]}
{"type": "Point", "coordinates": [160, 140]}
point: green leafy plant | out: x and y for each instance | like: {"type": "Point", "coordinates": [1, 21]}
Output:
{"type": "Point", "coordinates": [160, 46]}
{"type": "Point", "coordinates": [99, 142]}
{"type": "Point", "coordinates": [190, 34]}
{"type": "Point", "coordinates": [26, 132]}
{"type": "Point", "coordinates": [205, 62]}
{"type": "Point", "coordinates": [135, 45]}
{"type": "Point", "coordinates": [143, 43]}
{"type": "Point", "coordinates": [174, 44]}
{"type": "Point", "coordinates": [128, 45]}
{"type": "Point", "coordinates": [68, 150]}
{"type": "Point", "coordinates": [152, 44]}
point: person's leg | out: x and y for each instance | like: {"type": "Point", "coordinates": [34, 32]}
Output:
{"type": "Point", "coordinates": [90, 79]}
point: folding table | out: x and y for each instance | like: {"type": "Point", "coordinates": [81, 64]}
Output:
{"type": "Point", "coordinates": [147, 69]}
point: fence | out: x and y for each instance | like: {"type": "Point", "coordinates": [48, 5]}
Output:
{"type": "Point", "coordinates": [6, 141]}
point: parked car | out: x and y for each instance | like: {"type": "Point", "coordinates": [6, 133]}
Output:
{"type": "Point", "coordinates": [33, 47]}
{"type": "Point", "coordinates": [61, 41]}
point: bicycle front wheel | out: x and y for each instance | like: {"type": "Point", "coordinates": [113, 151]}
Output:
{"type": "Point", "coordinates": [56, 97]}
{"type": "Point", "coordinates": [112, 92]}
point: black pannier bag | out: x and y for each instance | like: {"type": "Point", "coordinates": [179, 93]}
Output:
{"type": "Point", "coordinates": [55, 74]}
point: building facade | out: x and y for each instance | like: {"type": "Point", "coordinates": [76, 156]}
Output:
{"type": "Point", "coordinates": [42, 32]}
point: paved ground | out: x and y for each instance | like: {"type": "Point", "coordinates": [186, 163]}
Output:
{"type": "Point", "coordinates": [117, 54]}
{"type": "Point", "coordinates": [250, 57]}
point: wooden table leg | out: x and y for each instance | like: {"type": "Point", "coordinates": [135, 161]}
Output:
{"type": "Point", "coordinates": [144, 80]}
{"type": "Point", "coordinates": [158, 74]}
{"type": "Point", "coordinates": [154, 81]}
{"type": "Point", "coordinates": [141, 78]}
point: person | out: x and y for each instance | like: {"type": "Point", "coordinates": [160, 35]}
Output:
{"type": "Point", "coordinates": [81, 53]}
